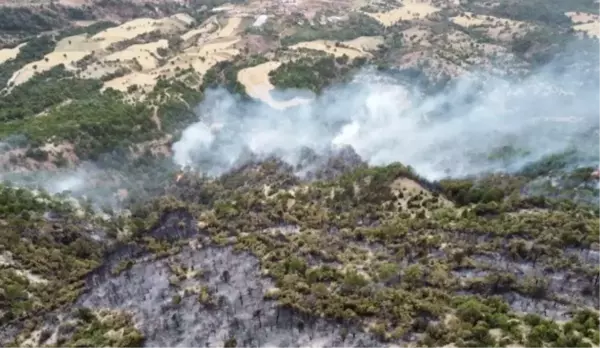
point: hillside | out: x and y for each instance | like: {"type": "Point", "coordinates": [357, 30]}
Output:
{"type": "Point", "coordinates": [299, 173]}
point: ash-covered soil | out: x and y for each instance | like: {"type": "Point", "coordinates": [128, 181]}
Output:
{"type": "Point", "coordinates": [236, 308]}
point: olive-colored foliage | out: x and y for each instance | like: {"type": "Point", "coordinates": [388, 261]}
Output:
{"type": "Point", "coordinates": [397, 269]}
{"type": "Point", "coordinates": [110, 330]}
{"type": "Point", "coordinates": [355, 256]}
{"type": "Point", "coordinates": [95, 123]}
{"type": "Point", "coordinates": [313, 74]}
{"type": "Point", "coordinates": [43, 91]}
{"type": "Point", "coordinates": [56, 249]}
{"type": "Point", "coordinates": [435, 265]}
{"type": "Point", "coordinates": [95, 126]}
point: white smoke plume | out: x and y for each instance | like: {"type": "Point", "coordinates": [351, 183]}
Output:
{"type": "Point", "coordinates": [451, 133]}
{"type": "Point", "coordinates": [85, 181]}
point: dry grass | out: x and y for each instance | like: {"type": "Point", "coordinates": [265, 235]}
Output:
{"type": "Point", "coordinates": [9, 53]}
{"type": "Point", "coordinates": [329, 47]}
{"type": "Point", "coordinates": [358, 47]}
{"type": "Point", "coordinates": [144, 54]}
{"type": "Point", "coordinates": [232, 26]}
{"type": "Point", "coordinates": [209, 26]}
{"type": "Point", "coordinates": [145, 81]}
{"type": "Point", "coordinates": [140, 26]}
{"type": "Point", "coordinates": [209, 45]}
{"type": "Point", "coordinates": [408, 188]}
{"type": "Point", "coordinates": [410, 10]}
{"type": "Point", "coordinates": [50, 61]}
{"type": "Point", "coordinates": [365, 43]}
{"type": "Point", "coordinates": [497, 28]}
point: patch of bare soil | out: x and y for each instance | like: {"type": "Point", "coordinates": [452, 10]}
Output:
{"type": "Point", "coordinates": [405, 189]}
{"type": "Point", "coordinates": [257, 44]}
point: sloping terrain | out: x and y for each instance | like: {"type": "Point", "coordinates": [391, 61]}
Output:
{"type": "Point", "coordinates": [225, 174]}
{"type": "Point", "coordinates": [256, 82]}
{"type": "Point", "coordinates": [387, 255]}
{"type": "Point", "coordinates": [21, 19]}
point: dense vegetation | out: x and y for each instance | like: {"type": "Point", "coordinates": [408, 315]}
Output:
{"type": "Point", "coordinates": [224, 74]}
{"type": "Point", "coordinates": [314, 74]}
{"type": "Point", "coordinates": [440, 264]}
{"type": "Point", "coordinates": [28, 20]}
{"type": "Point", "coordinates": [551, 13]}
{"type": "Point", "coordinates": [43, 91]}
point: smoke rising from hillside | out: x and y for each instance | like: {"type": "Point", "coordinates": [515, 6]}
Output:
{"type": "Point", "coordinates": [478, 124]}
{"type": "Point", "coordinates": [458, 132]}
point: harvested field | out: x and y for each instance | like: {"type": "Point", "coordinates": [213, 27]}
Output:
{"type": "Point", "coordinates": [496, 28]}
{"type": "Point", "coordinates": [145, 82]}
{"type": "Point", "coordinates": [204, 53]}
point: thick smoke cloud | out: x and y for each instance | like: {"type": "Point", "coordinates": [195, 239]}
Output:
{"type": "Point", "coordinates": [451, 133]}
{"type": "Point", "coordinates": [385, 119]}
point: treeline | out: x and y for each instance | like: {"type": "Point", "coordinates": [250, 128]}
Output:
{"type": "Point", "coordinates": [314, 73]}
{"type": "Point", "coordinates": [43, 91]}
{"type": "Point", "coordinates": [32, 20]}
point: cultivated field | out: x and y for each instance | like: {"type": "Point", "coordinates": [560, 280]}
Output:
{"type": "Point", "coordinates": [409, 10]}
